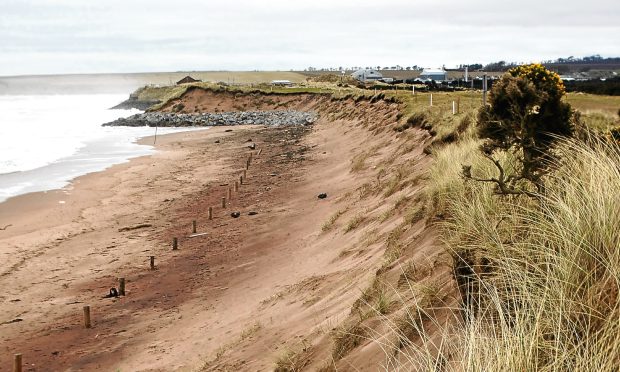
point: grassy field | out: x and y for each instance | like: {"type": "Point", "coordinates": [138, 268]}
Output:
{"type": "Point", "coordinates": [125, 83]}
{"type": "Point", "coordinates": [590, 102]}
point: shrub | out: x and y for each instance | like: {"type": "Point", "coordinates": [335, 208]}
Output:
{"type": "Point", "coordinates": [525, 115]}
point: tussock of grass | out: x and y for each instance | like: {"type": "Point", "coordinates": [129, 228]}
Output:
{"type": "Point", "coordinates": [600, 121]}
{"type": "Point", "coordinates": [291, 361]}
{"type": "Point", "coordinates": [347, 338]}
{"type": "Point", "coordinates": [358, 162]}
{"type": "Point", "coordinates": [329, 224]}
{"type": "Point", "coordinates": [354, 222]}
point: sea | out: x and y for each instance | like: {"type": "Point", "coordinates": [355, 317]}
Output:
{"type": "Point", "coordinates": [48, 140]}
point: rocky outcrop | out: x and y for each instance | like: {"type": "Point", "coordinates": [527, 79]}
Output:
{"type": "Point", "coordinates": [167, 119]}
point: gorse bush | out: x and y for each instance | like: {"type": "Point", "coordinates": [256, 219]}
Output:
{"type": "Point", "coordinates": [525, 115]}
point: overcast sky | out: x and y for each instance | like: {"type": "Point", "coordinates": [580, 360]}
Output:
{"type": "Point", "coordinates": [80, 36]}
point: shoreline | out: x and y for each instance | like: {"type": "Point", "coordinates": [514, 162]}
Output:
{"type": "Point", "coordinates": [61, 173]}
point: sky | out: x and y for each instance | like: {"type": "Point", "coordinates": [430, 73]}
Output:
{"type": "Point", "coordinates": [114, 36]}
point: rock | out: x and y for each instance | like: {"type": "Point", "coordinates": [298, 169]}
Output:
{"type": "Point", "coordinates": [113, 293]}
{"type": "Point", "coordinates": [322, 196]}
{"type": "Point", "coordinates": [252, 146]}
{"type": "Point", "coordinates": [217, 141]}
{"type": "Point", "coordinates": [228, 130]}
{"type": "Point", "coordinates": [252, 213]}
{"type": "Point", "coordinates": [170, 119]}
{"type": "Point", "coordinates": [235, 214]}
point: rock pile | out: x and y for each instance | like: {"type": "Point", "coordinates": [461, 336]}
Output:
{"type": "Point", "coordinates": [167, 119]}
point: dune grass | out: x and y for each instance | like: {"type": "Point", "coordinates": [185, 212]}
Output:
{"type": "Point", "coordinates": [543, 276]}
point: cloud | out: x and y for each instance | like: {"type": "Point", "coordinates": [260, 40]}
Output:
{"type": "Point", "coordinates": [54, 36]}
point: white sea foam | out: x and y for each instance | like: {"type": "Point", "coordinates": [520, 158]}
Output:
{"type": "Point", "coordinates": [45, 141]}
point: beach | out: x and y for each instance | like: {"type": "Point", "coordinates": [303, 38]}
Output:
{"type": "Point", "coordinates": [66, 248]}
{"type": "Point", "coordinates": [239, 293]}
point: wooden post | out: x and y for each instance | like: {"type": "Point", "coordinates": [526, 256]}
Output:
{"type": "Point", "coordinates": [236, 186]}
{"type": "Point", "coordinates": [152, 262]}
{"type": "Point", "coordinates": [194, 227]}
{"type": "Point", "coordinates": [241, 180]}
{"type": "Point", "coordinates": [121, 286]}
{"type": "Point", "coordinates": [86, 316]}
{"type": "Point", "coordinates": [210, 213]}
{"type": "Point", "coordinates": [453, 108]}
{"type": "Point", "coordinates": [229, 193]}
{"type": "Point", "coordinates": [17, 363]}
{"type": "Point", "coordinates": [431, 99]}
{"type": "Point", "coordinates": [484, 90]}
{"type": "Point", "coordinates": [175, 244]}
{"type": "Point", "coordinates": [247, 164]}
{"type": "Point", "coordinates": [223, 202]}
{"type": "Point", "coordinates": [413, 89]}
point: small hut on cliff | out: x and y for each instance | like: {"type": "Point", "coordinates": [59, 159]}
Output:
{"type": "Point", "coordinates": [187, 79]}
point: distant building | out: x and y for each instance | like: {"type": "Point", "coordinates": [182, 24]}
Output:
{"type": "Point", "coordinates": [434, 74]}
{"type": "Point", "coordinates": [283, 83]}
{"type": "Point", "coordinates": [367, 75]}
{"type": "Point", "coordinates": [187, 79]}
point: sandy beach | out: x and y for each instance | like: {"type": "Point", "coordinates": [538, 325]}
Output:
{"type": "Point", "coordinates": [234, 298]}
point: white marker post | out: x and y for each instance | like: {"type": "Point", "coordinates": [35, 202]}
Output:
{"type": "Point", "coordinates": [413, 89]}
{"type": "Point", "coordinates": [431, 99]}
{"type": "Point", "coordinates": [453, 108]}
{"type": "Point", "coordinates": [484, 89]}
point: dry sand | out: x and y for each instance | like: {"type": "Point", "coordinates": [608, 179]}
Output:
{"type": "Point", "coordinates": [234, 299]}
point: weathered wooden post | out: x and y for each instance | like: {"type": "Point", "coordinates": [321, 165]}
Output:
{"type": "Point", "coordinates": [229, 193]}
{"type": "Point", "coordinates": [87, 316]}
{"type": "Point", "coordinates": [193, 226]}
{"type": "Point", "coordinates": [241, 180]}
{"type": "Point", "coordinates": [121, 286]}
{"type": "Point", "coordinates": [210, 213]}
{"type": "Point", "coordinates": [17, 363]}
{"type": "Point", "coordinates": [236, 186]}
{"type": "Point", "coordinates": [175, 244]}
{"type": "Point", "coordinates": [223, 202]}
{"type": "Point", "coordinates": [152, 262]}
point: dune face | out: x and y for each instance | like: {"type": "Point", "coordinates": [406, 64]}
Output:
{"type": "Point", "coordinates": [294, 278]}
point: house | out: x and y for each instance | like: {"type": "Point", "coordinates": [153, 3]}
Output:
{"type": "Point", "coordinates": [434, 74]}
{"type": "Point", "coordinates": [367, 75]}
{"type": "Point", "coordinates": [283, 83]}
{"type": "Point", "coordinates": [187, 79]}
